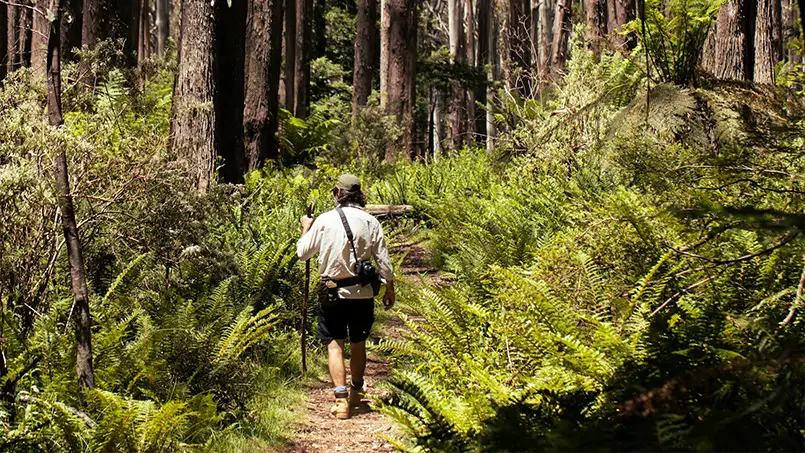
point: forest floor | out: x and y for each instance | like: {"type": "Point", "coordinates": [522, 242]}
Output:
{"type": "Point", "coordinates": [367, 429]}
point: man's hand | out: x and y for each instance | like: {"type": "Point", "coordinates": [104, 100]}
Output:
{"type": "Point", "coordinates": [307, 222]}
{"type": "Point", "coordinates": [388, 297]}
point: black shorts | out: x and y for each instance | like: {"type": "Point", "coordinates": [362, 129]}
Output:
{"type": "Point", "coordinates": [348, 318]}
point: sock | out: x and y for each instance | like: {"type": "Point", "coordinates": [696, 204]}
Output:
{"type": "Point", "coordinates": [340, 391]}
{"type": "Point", "coordinates": [357, 384]}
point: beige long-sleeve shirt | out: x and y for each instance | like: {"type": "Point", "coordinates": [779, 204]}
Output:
{"type": "Point", "coordinates": [336, 260]}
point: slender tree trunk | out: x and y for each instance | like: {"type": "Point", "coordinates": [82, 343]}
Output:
{"type": "Point", "coordinates": [83, 362]}
{"type": "Point", "coordinates": [789, 30]}
{"type": "Point", "coordinates": [39, 39]}
{"type": "Point", "coordinates": [229, 73]}
{"type": "Point", "coordinates": [193, 136]}
{"type": "Point", "coordinates": [438, 129]}
{"type": "Point", "coordinates": [289, 52]}
{"type": "Point", "coordinates": [457, 125]}
{"type": "Point", "coordinates": [365, 54]}
{"type": "Point", "coordinates": [561, 30]}
{"type": "Point", "coordinates": [143, 40]}
{"type": "Point", "coordinates": [162, 15]}
{"type": "Point", "coordinates": [304, 29]}
{"type": "Point", "coordinates": [24, 34]}
{"type": "Point", "coordinates": [12, 32]}
{"type": "Point", "coordinates": [470, 44]}
{"type": "Point", "coordinates": [768, 50]}
{"type": "Point", "coordinates": [4, 55]}
{"type": "Point", "coordinates": [384, 51]}
{"type": "Point", "coordinates": [596, 21]}
{"type": "Point", "coordinates": [491, 77]}
{"type": "Point", "coordinates": [263, 55]}
{"type": "Point", "coordinates": [90, 36]}
{"type": "Point", "coordinates": [175, 27]}
{"type": "Point", "coordinates": [485, 23]}
{"type": "Point", "coordinates": [319, 29]}
{"type": "Point", "coordinates": [401, 72]}
{"type": "Point", "coordinates": [545, 40]}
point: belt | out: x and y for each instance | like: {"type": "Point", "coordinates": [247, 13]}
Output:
{"type": "Point", "coordinates": [349, 281]}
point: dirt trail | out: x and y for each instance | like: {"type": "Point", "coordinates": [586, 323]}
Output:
{"type": "Point", "coordinates": [365, 431]}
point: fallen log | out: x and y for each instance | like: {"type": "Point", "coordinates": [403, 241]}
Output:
{"type": "Point", "coordinates": [388, 209]}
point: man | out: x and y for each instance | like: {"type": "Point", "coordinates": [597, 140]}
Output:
{"type": "Point", "coordinates": [348, 312]}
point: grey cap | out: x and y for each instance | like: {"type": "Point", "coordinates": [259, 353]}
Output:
{"type": "Point", "coordinates": [348, 182]}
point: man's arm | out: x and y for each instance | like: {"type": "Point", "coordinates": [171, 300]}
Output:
{"type": "Point", "coordinates": [385, 269]}
{"type": "Point", "coordinates": [309, 243]}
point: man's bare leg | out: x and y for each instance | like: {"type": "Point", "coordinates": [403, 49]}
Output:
{"type": "Point", "coordinates": [335, 359]}
{"type": "Point", "coordinates": [357, 361]}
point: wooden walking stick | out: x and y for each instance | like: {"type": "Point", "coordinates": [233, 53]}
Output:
{"type": "Point", "coordinates": [305, 299]}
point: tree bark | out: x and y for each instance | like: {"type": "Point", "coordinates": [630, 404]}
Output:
{"type": "Point", "coordinates": [162, 15]}
{"type": "Point", "coordinates": [90, 36]}
{"type": "Point", "coordinates": [24, 33]}
{"type": "Point", "coordinates": [470, 44]}
{"type": "Point", "coordinates": [12, 37]}
{"type": "Point", "coordinates": [193, 136]}
{"type": "Point", "coordinates": [71, 23]}
{"type": "Point", "coordinates": [39, 39]}
{"type": "Point", "coordinates": [457, 116]}
{"type": "Point", "coordinates": [726, 53]}
{"type": "Point", "coordinates": [4, 55]}
{"type": "Point", "coordinates": [175, 27]}
{"type": "Point", "coordinates": [143, 40]}
{"type": "Point", "coordinates": [384, 51]}
{"type": "Point", "coordinates": [485, 23]}
{"type": "Point", "coordinates": [402, 17]}
{"type": "Point", "coordinates": [365, 54]}
{"type": "Point", "coordinates": [768, 48]}
{"type": "Point", "coordinates": [289, 53]}
{"type": "Point", "coordinates": [595, 16]}
{"type": "Point", "coordinates": [561, 30]}
{"type": "Point", "coordinates": [545, 40]}
{"type": "Point", "coordinates": [304, 35]}
{"type": "Point", "coordinates": [263, 56]}
{"type": "Point", "coordinates": [82, 320]}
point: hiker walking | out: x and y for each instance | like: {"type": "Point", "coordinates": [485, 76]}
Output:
{"type": "Point", "coordinates": [346, 240]}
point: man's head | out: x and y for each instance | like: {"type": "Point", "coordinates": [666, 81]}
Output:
{"type": "Point", "coordinates": [347, 190]}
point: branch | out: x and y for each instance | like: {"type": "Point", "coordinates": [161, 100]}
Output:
{"type": "Point", "coordinates": [670, 299]}
{"type": "Point", "coordinates": [794, 306]}
{"type": "Point", "coordinates": [26, 397]}
{"type": "Point", "coordinates": [786, 239]}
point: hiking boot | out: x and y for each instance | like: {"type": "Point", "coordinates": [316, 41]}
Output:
{"type": "Point", "coordinates": [355, 395]}
{"type": "Point", "coordinates": [340, 409]}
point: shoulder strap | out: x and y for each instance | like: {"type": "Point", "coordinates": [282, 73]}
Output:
{"type": "Point", "coordinates": [349, 232]}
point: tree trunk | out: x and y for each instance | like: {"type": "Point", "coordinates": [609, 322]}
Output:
{"type": "Point", "coordinates": [39, 40]}
{"type": "Point", "coordinates": [304, 34]}
{"type": "Point", "coordinates": [4, 55]}
{"type": "Point", "coordinates": [175, 27]}
{"type": "Point", "coordinates": [485, 23]}
{"type": "Point", "coordinates": [162, 15]}
{"type": "Point", "coordinates": [319, 29]}
{"type": "Point", "coordinates": [193, 135]}
{"type": "Point", "coordinates": [365, 54]}
{"type": "Point", "coordinates": [289, 52]}
{"type": "Point", "coordinates": [402, 17]}
{"type": "Point", "coordinates": [545, 40]}
{"type": "Point", "coordinates": [24, 34]}
{"type": "Point", "coordinates": [596, 20]}
{"type": "Point", "coordinates": [457, 123]}
{"type": "Point", "coordinates": [12, 32]}
{"type": "Point", "coordinates": [90, 36]}
{"type": "Point", "coordinates": [83, 359]}
{"type": "Point", "coordinates": [768, 50]}
{"type": "Point", "coordinates": [561, 30]}
{"type": "Point", "coordinates": [491, 77]}
{"type": "Point", "coordinates": [384, 51]}
{"type": "Point", "coordinates": [143, 40]}
{"type": "Point", "coordinates": [438, 129]}
{"type": "Point", "coordinates": [729, 50]}
{"type": "Point", "coordinates": [263, 56]}
{"type": "Point", "coordinates": [469, 44]}
{"type": "Point", "coordinates": [229, 73]}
